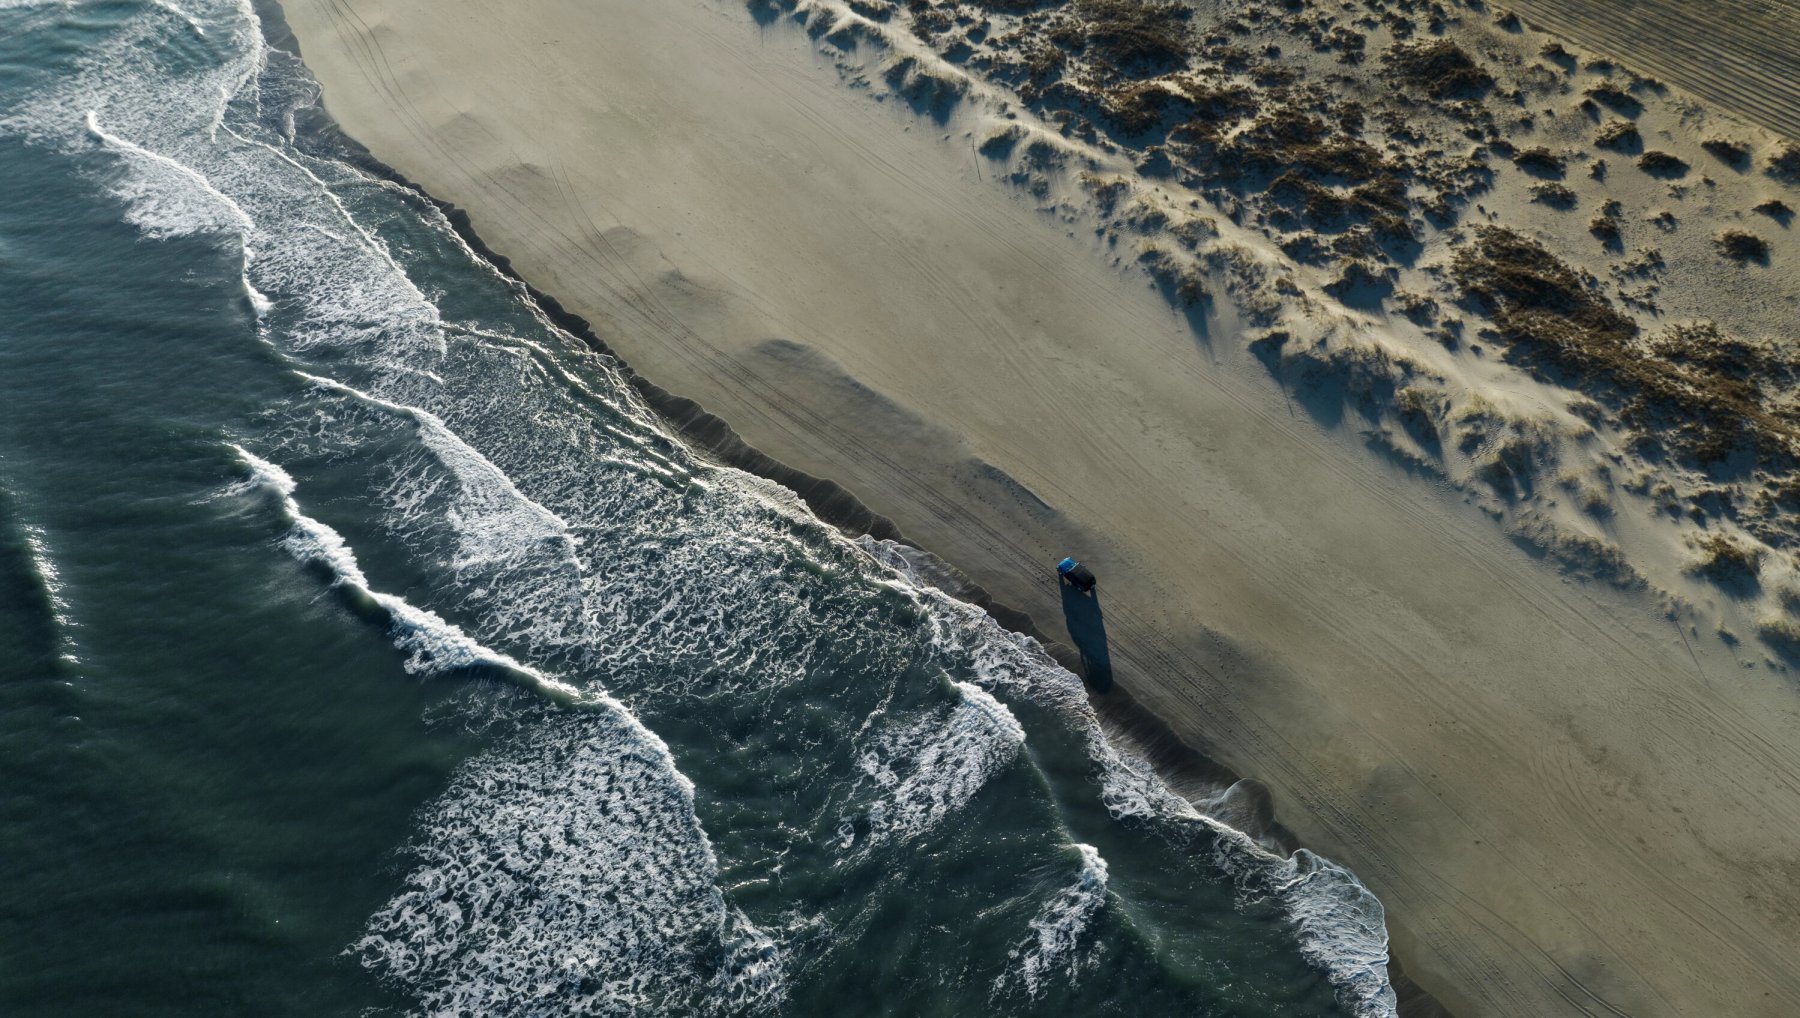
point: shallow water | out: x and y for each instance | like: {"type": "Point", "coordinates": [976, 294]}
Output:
{"type": "Point", "coordinates": [365, 644]}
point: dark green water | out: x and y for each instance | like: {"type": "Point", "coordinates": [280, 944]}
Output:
{"type": "Point", "coordinates": [365, 646]}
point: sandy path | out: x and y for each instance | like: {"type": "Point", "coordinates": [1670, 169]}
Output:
{"type": "Point", "coordinates": [1565, 809]}
{"type": "Point", "coordinates": [1743, 55]}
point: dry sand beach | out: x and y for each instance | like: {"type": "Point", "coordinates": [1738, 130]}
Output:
{"type": "Point", "coordinates": [1498, 646]}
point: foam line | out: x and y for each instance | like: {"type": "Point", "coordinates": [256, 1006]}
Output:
{"type": "Point", "coordinates": [236, 211]}
{"type": "Point", "coordinates": [471, 468]}
{"type": "Point", "coordinates": [432, 643]}
{"type": "Point", "coordinates": [372, 244]}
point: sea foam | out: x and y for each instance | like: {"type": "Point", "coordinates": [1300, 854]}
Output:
{"type": "Point", "coordinates": [1054, 945]}
{"type": "Point", "coordinates": [566, 867]}
{"type": "Point", "coordinates": [931, 765]}
{"type": "Point", "coordinates": [567, 863]}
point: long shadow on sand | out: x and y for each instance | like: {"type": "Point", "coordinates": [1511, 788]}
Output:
{"type": "Point", "coordinates": [1087, 630]}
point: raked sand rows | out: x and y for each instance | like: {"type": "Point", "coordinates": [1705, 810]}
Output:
{"type": "Point", "coordinates": [1740, 54]}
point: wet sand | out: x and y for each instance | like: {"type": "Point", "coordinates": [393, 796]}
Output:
{"type": "Point", "coordinates": [1565, 808]}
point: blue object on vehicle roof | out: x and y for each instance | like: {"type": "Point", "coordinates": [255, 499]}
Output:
{"type": "Point", "coordinates": [1076, 575]}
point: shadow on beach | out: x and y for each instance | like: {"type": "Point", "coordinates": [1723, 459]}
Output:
{"type": "Point", "coordinates": [1087, 630]}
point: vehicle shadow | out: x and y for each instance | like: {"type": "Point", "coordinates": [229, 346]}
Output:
{"type": "Point", "coordinates": [1087, 630]}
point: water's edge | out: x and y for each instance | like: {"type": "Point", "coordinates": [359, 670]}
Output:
{"type": "Point", "coordinates": [1173, 759]}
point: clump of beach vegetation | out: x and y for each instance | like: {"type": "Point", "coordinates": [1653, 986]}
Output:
{"type": "Point", "coordinates": [1731, 153]}
{"type": "Point", "coordinates": [1775, 209]}
{"type": "Point", "coordinates": [1620, 136]}
{"type": "Point", "coordinates": [1727, 561]}
{"type": "Point", "coordinates": [1742, 246]}
{"type": "Point", "coordinates": [1662, 164]}
{"type": "Point", "coordinates": [1546, 311]}
{"type": "Point", "coordinates": [1442, 69]}
{"type": "Point", "coordinates": [1691, 389]}
{"type": "Point", "coordinates": [1784, 165]}
{"type": "Point", "coordinates": [1555, 195]}
{"type": "Point", "coordinates": [1135, 35]}
{"type": "Point", "coordinates": [1181, 280]}
{"type": "Point", "coordinates": [1540, 161]}
{"type": "Point", "coordinates": [1781, 632]}
{"type": "Point", "coordinates": [1616, 99]}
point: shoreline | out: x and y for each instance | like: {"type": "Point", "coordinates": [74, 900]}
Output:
{"type": "Point", "coordinates": [1151, 734]}
{"type": "Point", "coordinates": [1147, 733]}
{"type": "Point", "coordinates": [1222, 667]}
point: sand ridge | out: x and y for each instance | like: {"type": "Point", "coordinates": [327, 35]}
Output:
{"type": "Point", "coordinates": [1555, 794]}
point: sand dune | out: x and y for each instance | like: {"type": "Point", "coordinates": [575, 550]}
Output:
{"type": "Point", "coordinates": [1570, 802]}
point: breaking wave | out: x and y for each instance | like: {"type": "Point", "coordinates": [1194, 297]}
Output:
{"type": "Point", "coordinates": [569, 864]}
{"type": "Point", "coordinates": [929, 766]}
{"type": "Point", "coordinates": [49, 577]}
{"type": "Point", "coordinates": [1057, 931]}
{"type": "Point", "coordinates": [432, 645]}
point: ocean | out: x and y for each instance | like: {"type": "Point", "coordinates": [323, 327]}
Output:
{"type": "Point", "coordinates": [368, 647]}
